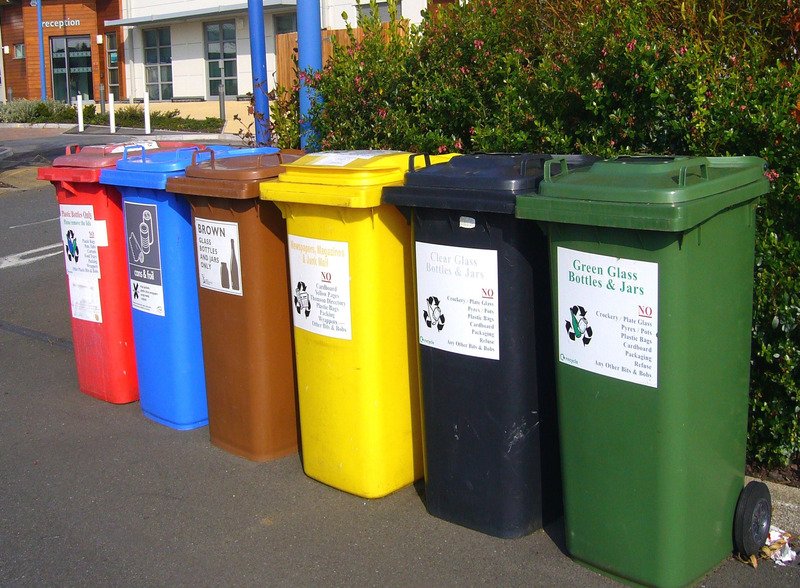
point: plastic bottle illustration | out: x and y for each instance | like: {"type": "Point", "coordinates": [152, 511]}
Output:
{"type": "Point", "coordinates": [234, 269]}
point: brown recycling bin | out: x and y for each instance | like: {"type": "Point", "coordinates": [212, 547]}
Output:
{"type": "Point", "coordinates": [240, 246]}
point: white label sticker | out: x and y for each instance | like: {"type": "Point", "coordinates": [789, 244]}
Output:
{"type": "Point", "coordinates": [320, 274]}
{"type": "Point", "coordinates": [101, 233]}
{"type": "Point", "coordinates": [457, 299]}
{"type": "Point", "coordinates": [218, 255]}
{"type": "Point", "coordinates": [80, 245]}
{"type": "Point", "coordinates": [84, 298]}
{"type": "Point", "coordinates": [342, 158]}
{"type": "Point", "coordinates": [608, 315]}
{"type": "Point", "coordinates": [120, 147]}
{"type": "Point", "coordinates": [144, 257]}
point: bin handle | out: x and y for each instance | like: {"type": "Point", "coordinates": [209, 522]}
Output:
{"type": "Point", "coordinates": [128, 148]}
{"type": "Point", "coordinates": [195, 151]}
{"type": "Point", "coordinates": [74, 146]}
{"type": "Point", "coordinates": [523, 165]}
{"type": "Point", "coordinates": [700, 162]}
{"type": "Point", "coordinates": [413, 156]}
{"type": "Point", "coordinates": [562, 161]}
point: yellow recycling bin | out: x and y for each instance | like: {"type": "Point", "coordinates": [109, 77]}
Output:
{"type": "Point", "coordinates": [353, 313]}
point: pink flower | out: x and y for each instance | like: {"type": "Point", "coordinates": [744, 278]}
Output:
{"type": "Point", "coordinates": [458, 144]}
{"type": "Point", "coordinates": [598, 84]}
{"type": "Point", "coordinates": [771, 175]}
{"type": "Point", "coordinates": [604, 52]}
{"type": "Point", "coordinates": [472, 130]}
{"type": "Point", "coordinates": [382, 112]}
{"type": "Point", "coordinates": [464, 69]}
{"type": "Point", "coordinates": [442, 148]}
{"type": "Point", "coordinates": [358, 81]}
{"type": "Point", "coordinates": [631, 45]}
{"type": "Point", "coordinates": [682, 51]}
{"type": "Point", "coordinates": [478, 44]}
{"type": "Point", "coordinates": [303, 77]}
{"type": "Point", "coordinates": [317, 76]}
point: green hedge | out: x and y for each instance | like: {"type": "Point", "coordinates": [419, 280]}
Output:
{"type": "Point", "coordinates": [704, 77]}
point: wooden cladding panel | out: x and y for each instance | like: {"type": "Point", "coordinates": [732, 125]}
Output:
{"type": "Point", "coordinates": [286, 47]}
{"type": "Point", "coordinates": [16, 78]}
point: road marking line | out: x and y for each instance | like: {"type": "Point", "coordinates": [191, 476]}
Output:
{"type": "Point", "coordinates": [49, 220]}
{"type": "Point", "coordinates": [23, 258]}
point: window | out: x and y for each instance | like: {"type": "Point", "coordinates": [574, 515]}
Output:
{"type": "Point", "coordinates": [285, 23]}
{"type": "Point", "coordinates": [221, 57]}
{"type": "Point", "coordinates": [158, 63]}
{"type": "Point", "coordinates": [383, 10]}
{"type": "Point", "coordinates": [19, 51]}
{"type": "Point", "coordinates": [112, 64]}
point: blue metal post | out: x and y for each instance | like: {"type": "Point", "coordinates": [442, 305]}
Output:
{"type": "Point", "coordinates": [309, 55]}
{"type": "Point", "coordinates": [258, 60]}
{"type": "Point", "coordinates": [41, 49]}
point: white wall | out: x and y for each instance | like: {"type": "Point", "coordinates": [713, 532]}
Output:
{"type": "Point", "coordinates": [139, 8]}
{"type": "Point", "coordinates": [189, 73]}
{"type": "Point", "coordinates": [332, 12]}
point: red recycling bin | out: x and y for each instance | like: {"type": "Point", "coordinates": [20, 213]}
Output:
{"type": "Point", "coordinates": [93, 233]}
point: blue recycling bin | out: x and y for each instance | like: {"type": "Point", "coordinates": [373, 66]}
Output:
{"type": "Point", "coordinates": [161, 266]}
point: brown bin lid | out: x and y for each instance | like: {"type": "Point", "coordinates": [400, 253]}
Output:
{"type": "Point", "coordinates": [244, 168]}
{"type": "Point", "coordinates": [231, 177]}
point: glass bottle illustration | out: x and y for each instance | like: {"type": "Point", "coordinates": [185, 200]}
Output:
{"type": "Point", "coordinates": [234, 268]}
{"type": "Point", "coordinates": [224, 276]}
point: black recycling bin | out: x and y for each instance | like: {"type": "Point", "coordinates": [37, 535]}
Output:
{"type": "Point", "coordinates": [485, 343]}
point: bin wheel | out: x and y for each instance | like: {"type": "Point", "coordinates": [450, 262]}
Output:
{"type": "Point", "coordinates": [752, 519]}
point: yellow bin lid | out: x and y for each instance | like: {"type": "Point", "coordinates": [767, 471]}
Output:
{"type": "Point", "coordinates": [350, 179]}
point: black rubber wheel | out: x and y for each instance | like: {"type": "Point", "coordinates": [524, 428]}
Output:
{"type": "Point", "coordinates": [752, 519]}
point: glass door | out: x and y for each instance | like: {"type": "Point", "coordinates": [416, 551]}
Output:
{"type": "Point", "coordinates": [71, 60]}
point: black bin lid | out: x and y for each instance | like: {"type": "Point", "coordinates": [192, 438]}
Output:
{"type": "Point", "coordinates": [485, 182]}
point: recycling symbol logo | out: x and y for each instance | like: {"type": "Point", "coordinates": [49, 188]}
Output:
{"type": "Point", "coordinates": [302, 301]}
{"type": "Point", "coordinates": [433, 315]}
{"type": "Point", "coordinates": [578, 327]}
{"type": "Point", "coordinates": [72, 246]}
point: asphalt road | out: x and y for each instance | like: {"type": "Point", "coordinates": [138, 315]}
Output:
{"type": "Point", "coordinates": [96, 494]}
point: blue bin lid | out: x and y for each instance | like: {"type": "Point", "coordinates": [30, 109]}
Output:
{"type": "Point", "coordinates": [140, 161]}
{"type": "Point", "coordinates": [150, 169]}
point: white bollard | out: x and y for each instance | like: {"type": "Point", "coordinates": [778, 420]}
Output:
{"type": "Point", "coordinates": [146, 113]}
{"type": "Point", "coordinates": [80, 113]}
{"type": "Point", "coordinates": [112, 118]}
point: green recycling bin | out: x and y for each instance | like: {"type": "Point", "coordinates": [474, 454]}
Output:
{"type": "Point", "coordinates": [652, 284]}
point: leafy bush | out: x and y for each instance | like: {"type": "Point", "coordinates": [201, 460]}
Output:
{"type": "Point", "coordinates": [36, 111]}
{"type": "Point", "coordinates": [695, 77]}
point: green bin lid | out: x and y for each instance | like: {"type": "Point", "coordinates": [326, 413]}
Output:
{"type": "Point", "coordinates": [651, 193]}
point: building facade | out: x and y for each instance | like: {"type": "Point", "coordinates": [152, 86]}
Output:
{"type": "Point", "coordinates": [81, 53]}
{"type": "Point", "coordinates": [172, 50]}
